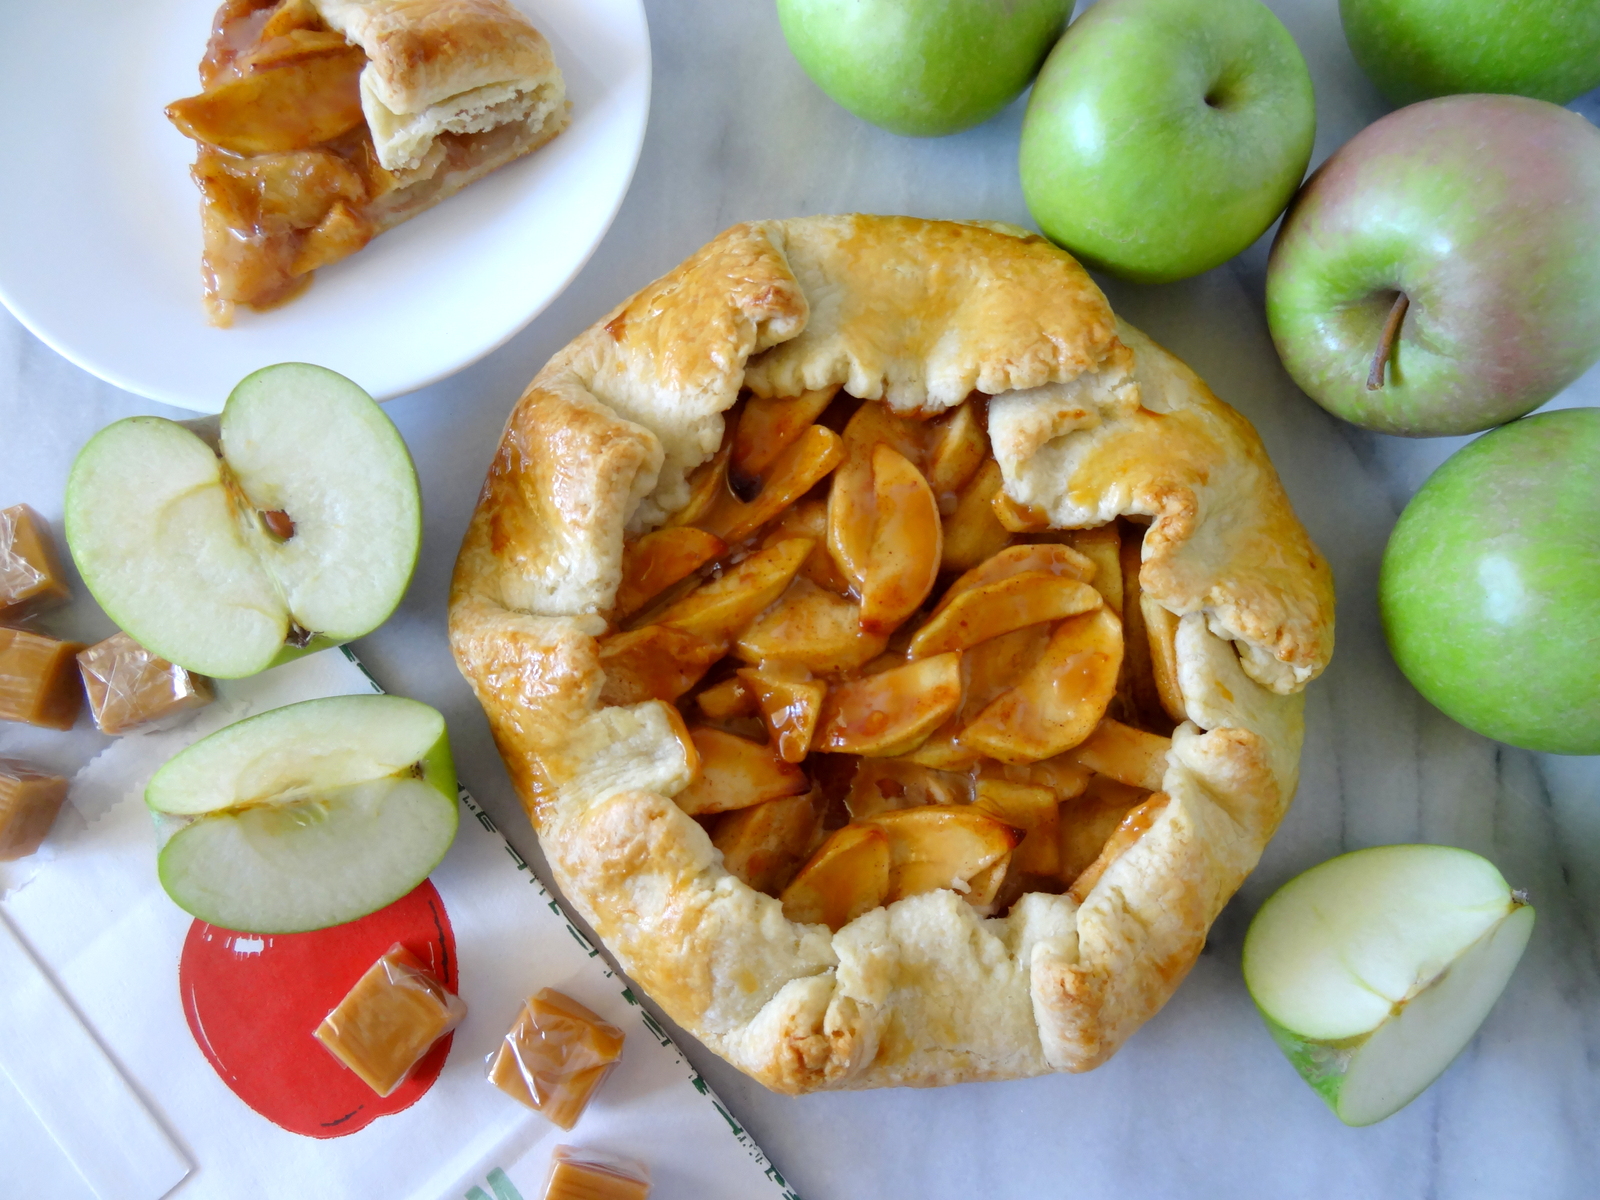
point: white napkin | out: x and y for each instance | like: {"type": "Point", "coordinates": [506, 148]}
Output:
{"type": "Point", "coordinates": [96, 917]}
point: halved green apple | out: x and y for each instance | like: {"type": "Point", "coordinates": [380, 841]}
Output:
{"type": "Point", "coordinates": [1374, 969]}
{"type": "Point", "coordinates": [306, 816]}
{"type": "Point", "coordinates": [298, 531]}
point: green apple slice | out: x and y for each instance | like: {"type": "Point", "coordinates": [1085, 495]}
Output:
{"type": "Point", "coordinates": [306, 816]}
{"type": "Point", "coordinates": [298, 530]}
{"type": "Point", "coordinates": [1374, 969]}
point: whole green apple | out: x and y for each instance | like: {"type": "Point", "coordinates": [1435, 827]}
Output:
{"type": "Point", "coordinates": [1416, 49]}
{"type": "Point", "coordinates": [1490, 587]}
{"type": "Point", "coordinates": [1483, 213]}
{"type": "Point", "coordinates": [1164, 136]}
{"type": "Point", "coordinates": [923, 68]}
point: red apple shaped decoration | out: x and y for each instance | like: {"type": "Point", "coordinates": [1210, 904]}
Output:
{"type": "Point", "coordinates": [253, 1000]}
{"type": "Point", "coordinates": [1437, 275]}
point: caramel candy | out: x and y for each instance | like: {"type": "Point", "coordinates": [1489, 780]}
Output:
{"type": "Point", "coordinates": [29, 801]}
{"type": "Point", "coordinates": [595, 1175]}
{"type": "Point", "coordinates": [128, 686]}
{"type": "Point", "coordinates": [389, 1020]}
{"type": "Point", "coordinates": [555, 1057]}
{"type": "Point", "coordinates": [30, 575]}
{"type": "Point", "coordinates": [38, 683]}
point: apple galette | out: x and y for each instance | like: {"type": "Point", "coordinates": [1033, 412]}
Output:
{"type": "Point", "coordinates": [899, 657]}
{"type": "Point", "coordinates": [323, 123]}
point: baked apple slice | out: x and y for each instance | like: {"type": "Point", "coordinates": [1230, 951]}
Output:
{"type": "Point", "coordinates": [657, 662]}
{"type": "Point", "coordinates": [906, 543]}
{"type": "Point", "coordinates": [1031, 808]}
{"type": "Point", "coordinates": [720, 610]}
{"type": "Point", "coordinates": [813, 628]}
{"type": "Point", "coordinates": [1061, 698]}
{"type": "Point", "coordinates": [765, 843]}
{"type": "Point", "coordinates": [736, 773]}
{"type": "Point", "coordinates": [980, 613]}
{"type": "Point", "coordinates": [959, 446]}
{"type": "Point", "coordinates": [1102, 546]}
{"type": "Point", "coordinates": [1126, 754]}
{"type": "Point", "coordinates": [847, 876]}
{"type": "Point", "coordinates": [789, 706]}
{"type": "Point", "coordinates": [809, 518]}
{"type": "Point", "coordinates": [972, 532]}
{"type": "Point", "coordinates": [852, 497]}
{"type": "Point", "coordinates": [767, 426]}
{"type": "Point", "coordinates": [657, 561]}
{"type": "Point", "coordinates": [892, 712]}
{"type": "Point", "coordinates": [939, 846]}
{"type": "Point", "coordinates": [794, 473]}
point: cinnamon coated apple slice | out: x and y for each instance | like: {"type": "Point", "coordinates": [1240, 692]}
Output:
{"type": "Point", "coordinates": [1090, 819]}
{"type": "Point", "coordinates": [767, 426]}
{"type": "Point", "coordinates": [813, 628]}
{"type": "Point", "coordinates": [1162, 626]}
{"type": "Point", "coordinates": [809, 518]}
{"type": "Point", "coordinates": [1060, 699]}
{"type": "Point", "coordinates": [1102, 546]}
{"type": "Point", "coordinates": [847, 876]}
{"type": "Point", "coordinates": [989, 610]}
{"type": "Point", "coordinates": [972, 532]}
{"type": "Point", "coordinates": [852, 499]}
{"type": "Point", "coordinates": [907, 542]}
{"type": "Point", "coordinates": [1031, 808]}
{"type": "Point", "coordinates": [657, 662]}
{"type": "Point", "coordinates": [736, 773]}
{"type": "Point", "coordinates": [1131, 828]}
{"type": "Point", "coordinates": [294, 106]}
{"type": "Point", "coordinates": [1126, 754]}
{"type": "Point", "coordinates": [1050, 557]}
{"type": "Point", "coordinates": [707, 484]}
{"type": "Point", "coordinates": [957, 450]}
{"type": "Point", "coordinates": [892, 712]}
{"type": "Point", "coordinates": [789, 706]}
{"type": "Point", "coordinates": [882, 785]}
{"type": "Point", "coordinates": [720, 610]}
{"type": "Point", "coordinates": [791, 476]}
{"type": "Point", "coordinates": [657, 561]}
{"type": "Point", "coordinates": [727, 700]}
{"type": "Point", "coordinates": [765, 843]}
{"type": "Point", "coordinates": [941, 846]}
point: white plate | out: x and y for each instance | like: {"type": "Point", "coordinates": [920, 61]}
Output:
{"type": "Point", "coordinates": [100, 226]}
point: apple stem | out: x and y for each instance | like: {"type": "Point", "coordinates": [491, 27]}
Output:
{"type": "Point", "coordinates": [278, 524]}
{"type": "Point", "coordinates": [1391, 329]}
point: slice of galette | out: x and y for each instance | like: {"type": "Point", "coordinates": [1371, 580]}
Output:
{"type": "Point", "coordinates": [899, 657]}
{"type": "Point", "coordinates": [322, 123]}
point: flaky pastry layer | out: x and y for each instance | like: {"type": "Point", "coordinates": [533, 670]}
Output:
{"type": "Point", "coordinates": [1089, 420]}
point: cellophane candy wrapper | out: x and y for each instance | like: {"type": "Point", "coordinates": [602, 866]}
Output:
{"type": "Point", "coordinates": [131, 688]}
{"type": "Point", "coordinates": [30, 798]}
{"type": "Point", "coordinates": [577, 1174]}
{"type": "Point", "coordinates": [390, 1019]}
{"type": "Point", "coordinates": [555, 1056]}
{"type": "Point", "coordinates": [30, 573]}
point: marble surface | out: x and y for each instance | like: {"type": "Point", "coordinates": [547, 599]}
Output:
{"type": "Point", "coordinates": [1200, 1104]}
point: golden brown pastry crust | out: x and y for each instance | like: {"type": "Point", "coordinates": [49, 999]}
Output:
{"type": "Point", "coordinates": [924, 991]}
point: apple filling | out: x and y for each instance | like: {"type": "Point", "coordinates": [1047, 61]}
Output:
{"type": "Point", "coordinates": [891, 679]}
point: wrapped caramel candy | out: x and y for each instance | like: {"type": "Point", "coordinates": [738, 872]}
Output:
{"type": "Point", "coordinates": [128, 686]}
{"type": "Point", "coordinates": [555, 1056]}
{"type": "Point", "coordinates": [38, 679]}
{"type": "Point", "coordinates": [389, 1020]}
{"type": "Point", "coordinates": [30, 574]}
{"type": "Point", "coordinates": [595, 1175]}
{"type": "Point", "coordinates": [29, 801]}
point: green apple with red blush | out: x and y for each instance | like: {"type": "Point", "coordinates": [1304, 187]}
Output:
{"type": "Point", "coordinates": [1490, 586]}
{"type": "Point", "coordinates": [1437, 275]}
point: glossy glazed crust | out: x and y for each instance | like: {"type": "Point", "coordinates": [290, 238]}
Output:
{"type": "Point", "coordinates": [925, 991]}
{"type": "Point", "coordinates": [424, 51]}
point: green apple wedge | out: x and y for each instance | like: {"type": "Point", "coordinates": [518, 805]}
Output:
{"type": "Point", "coordinates": [306, 816]}
{"type": "Point", "coordinates": [1375, 969]}
{"type": "Point", "coordinates": [295, 529]}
